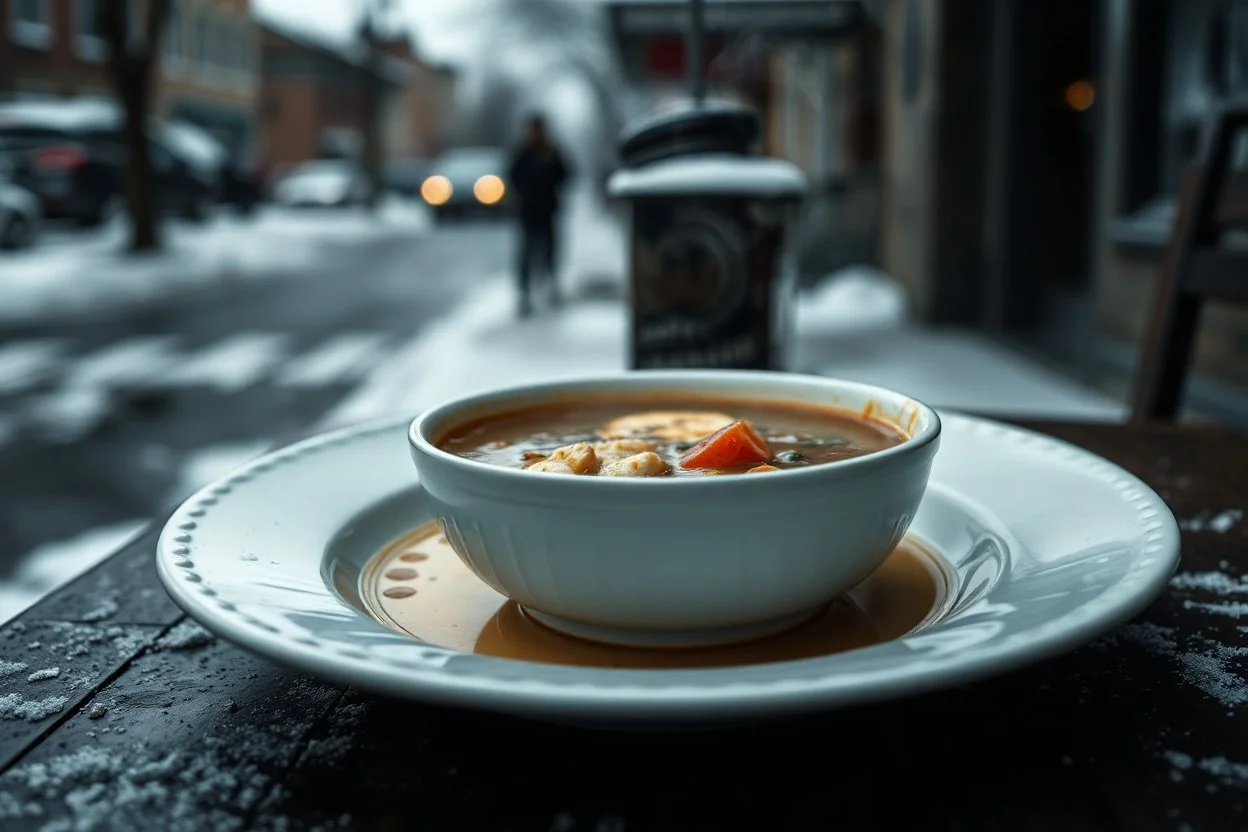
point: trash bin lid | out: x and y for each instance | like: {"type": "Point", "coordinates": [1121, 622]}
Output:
{"type": "Point", "coordinates": [690, 128]}
{"type": "Point", "coordinates": [700, 149]}
{"type": "Point", "coordinates": [719, 174]}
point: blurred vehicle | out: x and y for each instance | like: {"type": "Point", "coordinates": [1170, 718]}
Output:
{"type": "Point", "coordinates": [322, 184]}
{"type": "Point", "coordinates": [19, 214]}
{"type": "Point", "coordinates": [70, 153]}
{"type": "Point", "coordinates": [242, 184]}
{"type": "Point", "coordinates": [405, 176]}
{"type": "Point", "coordinates": [466, 182]}
{"type": "Point", "coordinates": [233, 174]}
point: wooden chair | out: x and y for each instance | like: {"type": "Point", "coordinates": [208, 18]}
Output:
{"type": "Point", "coordinates": [1197, 268]}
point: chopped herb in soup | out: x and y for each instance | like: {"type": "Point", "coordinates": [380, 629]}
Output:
{"type": "Point", "coordinates": [664, 438]}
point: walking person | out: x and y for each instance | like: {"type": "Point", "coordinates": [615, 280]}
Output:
{"type": "Point", "coordinates": [536, 175]}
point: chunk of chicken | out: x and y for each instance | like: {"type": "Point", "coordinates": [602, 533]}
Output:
{"type": "Point", "coordinates": [644, 464]}
{"type": "Point", "coordinates": [620, 448]}
{"type": "Point", "coordinates": [578, 458]}
{"type": "Point", "coordinates": [668, 425]}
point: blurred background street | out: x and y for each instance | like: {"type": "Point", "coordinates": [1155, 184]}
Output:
{"type": "Point", "coordinates": [105, 420]}
{"type": "Point", "coordinates": [225, 222]}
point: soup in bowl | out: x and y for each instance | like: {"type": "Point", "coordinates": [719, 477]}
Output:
{"type": "Point", "coordinates": [676, 508]}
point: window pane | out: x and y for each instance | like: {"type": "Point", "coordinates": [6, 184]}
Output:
{"type": "Point", "coordinates": [30, 11]}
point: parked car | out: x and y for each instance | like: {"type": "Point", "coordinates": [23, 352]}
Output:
{"type": "Point", "coordinates": [71, 155]}
{"type": "Point", "coordinates": [322, 183]}
{"type": "Point", "coordinates": [242, 184]}
{"type": "Point", "coordinates": [19, 214]}
{"type": "Point", "coordinates": [232, 172]}
{"type": "Point", "coordinates": [467, 181]}
{"type": "Point", "coordinates": [405, 176]}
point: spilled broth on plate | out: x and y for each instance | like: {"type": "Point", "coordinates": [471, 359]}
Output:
{"type": "Point", "coordinates": [667, 436]}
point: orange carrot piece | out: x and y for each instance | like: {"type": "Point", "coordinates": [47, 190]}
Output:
{"type": "Point", "coordinates": [762, 469]}
{"type": "Point", "coordinates": [731, 445]}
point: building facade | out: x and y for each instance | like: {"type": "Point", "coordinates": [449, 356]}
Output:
{"type": "Point", "coordinates": [312, 101]}
{"type": "Point", "coordinates": [206, 63]}
{"type": "Point", "coordinates": [418, 119]}
{"type": "Point", "coordinates": [209, 71]}
{"type": "Point", "coordinates": [1174, 65]}
{"type": "Point", "coordinates": [1033, 155]}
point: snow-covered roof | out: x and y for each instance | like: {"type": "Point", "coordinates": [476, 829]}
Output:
{"type": "Point", "coordinates": [343, 45]}
{"type": "Point", "coordinates": [62, 114]}
{"type": "Point", "coordinates": [189, 142]}
{"type": "Point", "coordinates": [195, 145]}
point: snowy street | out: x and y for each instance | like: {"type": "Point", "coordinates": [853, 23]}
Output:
{"type": "Point", "coordinates": [180, 369]}
{"type": "Point", "coordinates": [80, 273]}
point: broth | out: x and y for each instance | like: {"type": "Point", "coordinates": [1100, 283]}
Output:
{"type": "Point", "coordinates": [669, 436]}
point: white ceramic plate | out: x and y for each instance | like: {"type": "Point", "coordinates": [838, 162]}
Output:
{"type": "Point", "coordinates": [1047, 546]}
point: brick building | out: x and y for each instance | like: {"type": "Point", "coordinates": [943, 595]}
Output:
{"type": "Point", "coordinates": [210, 61]}
{"type": "Point", "coordinates": [311, 104]}
{"type": "Point", "coordinates": [206, 74]}
{"type": "Point", "coordinates": [419, 118]}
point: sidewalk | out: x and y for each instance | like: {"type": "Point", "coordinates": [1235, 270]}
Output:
{"type": "Point", "coordinates": [854, 326]}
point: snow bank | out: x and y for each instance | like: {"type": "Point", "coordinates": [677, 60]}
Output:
{"type": "Point", "coordinates": [70, 274]}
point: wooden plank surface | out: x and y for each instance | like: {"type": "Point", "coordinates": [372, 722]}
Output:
{"type": "Point", "coordinates": [166, 728]}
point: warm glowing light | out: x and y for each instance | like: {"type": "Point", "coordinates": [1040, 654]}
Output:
{"type": "Point", "coordinates": [1080, 95]}
{"type": "Point", "coordinates": [489, 189]}
{"type": "Point", "coordinates": [436, 190]}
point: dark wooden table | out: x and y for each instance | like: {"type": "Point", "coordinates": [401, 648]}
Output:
{"type": "Point", "coordinates": [151, 724]}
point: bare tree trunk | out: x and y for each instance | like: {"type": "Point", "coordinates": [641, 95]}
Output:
{"type": "Point", "coordinates": [373, 95]}
{"type": "Point", "coordinates": [374, 99]}
{"type": "Point", "coordinates": [130, 64]}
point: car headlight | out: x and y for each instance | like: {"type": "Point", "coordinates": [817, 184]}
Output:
{"type": "Point", "coordinates": [436, 190]}
{"type": "Point", "coordinates": [488, 189]}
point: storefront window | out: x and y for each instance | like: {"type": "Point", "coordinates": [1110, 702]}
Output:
{"type": "Point", "coordinates": [1197, 56]}
{"type": "Point", "coordinates": [30, 23]}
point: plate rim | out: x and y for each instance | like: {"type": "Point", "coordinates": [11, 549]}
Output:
{"type": "Point", "coordinates": [425, 678]}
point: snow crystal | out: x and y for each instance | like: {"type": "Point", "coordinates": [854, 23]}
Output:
{"type": "Point", "coordinates": [1222, 522]}
{"type": "Point", "coordinates": [44, 675]}
{"type": "Point", "coordinates": [1230, 609]}
{"type": "Point", "coordinates": [9, 668]}
{"type": "Point", "coordinates": [1210, 668]}
{"type": "Point", "coordinates": [1223, 769]}
{"type": "Point", "coordinates": [1152, 637]}
{"type": "Point", "coordinates": [184, 636]}
{"type": "Point", "coordinates": [1211, 671]}
{"type": "Point", "coordinates": [211, 787]}
{"type": "Point", "coordinates": [1179, 760]}
{"type": "Point", "coordinates": [15, 706]}
{"type": "Point", "coordinates": [1226, 772]}
{"type": "Point", "coordinates": [106, 609]}
{"type": "Point", "coordinates": [1218, 583]}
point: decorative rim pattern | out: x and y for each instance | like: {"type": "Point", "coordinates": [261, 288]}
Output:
{"type": "Point", "coordinates": [399, 665]}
